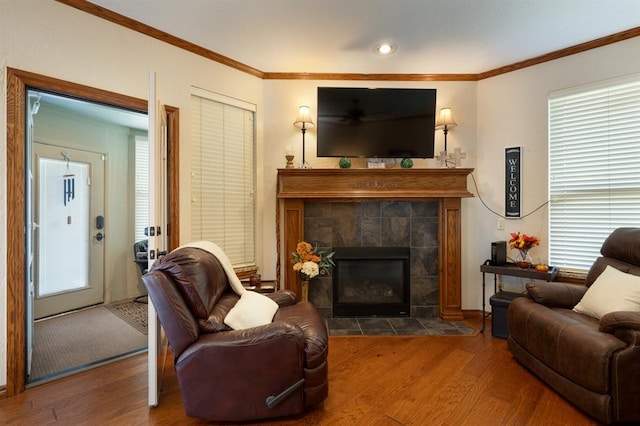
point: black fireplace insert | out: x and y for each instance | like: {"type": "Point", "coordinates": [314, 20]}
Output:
{"type": "Point", "coordinates": [371, 282]}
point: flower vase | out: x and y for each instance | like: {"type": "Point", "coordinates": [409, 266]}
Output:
{"type": "Point", "coordinates": [305, 290]}
{"type": "Point", "coordinates": [524, 261]}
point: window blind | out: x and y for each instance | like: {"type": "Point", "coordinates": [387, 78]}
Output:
{"type": "Point", "coordinates": [594, 168]}
{"type": "Point", "coordinates": [223, 175]}
{"type": "Point", "coordinates": [141, 187]}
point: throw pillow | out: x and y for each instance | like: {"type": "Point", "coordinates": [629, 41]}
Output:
{"type": "Point", "coordinates": [252, 310]}
{"type": "Point", "coordinates": [612, 291]}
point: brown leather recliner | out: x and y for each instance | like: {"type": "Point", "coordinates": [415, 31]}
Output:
{"type": "Point", "coordinates": [593, 363]}
{"type": "Point", "coordinates": [273, 370]}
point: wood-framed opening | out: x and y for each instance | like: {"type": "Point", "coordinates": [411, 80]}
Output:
{"type": "Point", "coordinates": [17, 84]}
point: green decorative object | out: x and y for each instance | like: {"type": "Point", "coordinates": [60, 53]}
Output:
{"type": "Point", "coordinates": [344, 163]}
{"type": "Point", "coordinates": [406, 163]}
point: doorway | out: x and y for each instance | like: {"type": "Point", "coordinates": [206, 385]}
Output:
{"type": "Point", "coordinates": [18, 83]}
{"type": "Point", "coordinates": [84, 212]}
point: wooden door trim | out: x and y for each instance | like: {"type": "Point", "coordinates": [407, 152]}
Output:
{"type": "Point", "coordinates": [17, 83]}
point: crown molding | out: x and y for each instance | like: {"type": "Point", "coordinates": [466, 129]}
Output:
{"type": "Point", "coordinates": [368, 77]}
{"type": "Point", "coordinates": [572, 50]}
{"type": "Point", "coordinates": [132, 24]}
{"type": "Point", "coordinates": [145, 29]}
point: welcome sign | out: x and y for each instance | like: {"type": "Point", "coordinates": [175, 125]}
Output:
{"type": "Point", "coordinates": [512, 182]}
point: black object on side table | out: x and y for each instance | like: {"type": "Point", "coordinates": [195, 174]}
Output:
{"type": "Point", "coordinates": [502, 299]}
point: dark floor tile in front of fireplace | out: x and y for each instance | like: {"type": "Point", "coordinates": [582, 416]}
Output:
{"type": "Point", "coordinates": [344, 323]}
{"type": "Point", "coordinates": [343, 326]}
{"type": "Point", "coordinates": [375, 324]}
{"type": "Point", "coordinates": [437, 326]}
{"type": "Point", "coordinates": [405, 323]}
{"type": "Point", "coordinates": [396, 326]}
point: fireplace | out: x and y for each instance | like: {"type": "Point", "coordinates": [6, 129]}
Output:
{"type": "Point", "coordinates": [447, 187]}
{"type": "Point", "coordinates": [371, 281]}
{"type": "Point", "coordinates": [366, 227]}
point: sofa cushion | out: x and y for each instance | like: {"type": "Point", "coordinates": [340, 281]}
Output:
{"type": "Point", "coordinates": [623, 244]}
{"type": "Point", "coordinates": [612, 291]}
{"type": "Point", "coordinates": [252, 310]}
{"type": "Point", "coordinates": [215, 322]}
{"type": "Point", "coordinates": [198, 276]}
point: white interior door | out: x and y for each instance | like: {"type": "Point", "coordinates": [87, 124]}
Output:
{"type": "Point", "coordinates": [69, 229]}
{"type": "Point", "coordinates": [158, 238]}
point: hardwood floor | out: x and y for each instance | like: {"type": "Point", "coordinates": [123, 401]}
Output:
{"type": "Point", "coordinates": [374, 380]}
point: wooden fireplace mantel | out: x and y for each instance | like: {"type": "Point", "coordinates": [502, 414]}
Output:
{"type": "Point", "coordinates": [447, 186]}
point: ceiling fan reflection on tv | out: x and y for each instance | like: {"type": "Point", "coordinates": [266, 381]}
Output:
{"type": "Point", "coordinates": [355, 116]}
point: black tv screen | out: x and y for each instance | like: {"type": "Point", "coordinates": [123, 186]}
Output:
{"type": "Point", "coordinates": [376, 123]}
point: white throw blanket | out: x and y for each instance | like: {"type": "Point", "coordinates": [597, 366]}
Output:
{"type": "Point", "coordinates": [215, 250]}
{"type": "Point", "coordinates": [253, 309]}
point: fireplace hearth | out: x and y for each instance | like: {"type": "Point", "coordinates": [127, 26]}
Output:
{"type": "Point", "coordinates": [371, 281]}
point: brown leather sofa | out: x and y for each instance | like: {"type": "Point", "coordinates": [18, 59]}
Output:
{"type": "Point", "coordinates": [273, 370]}
{"type": "Point", "coordinates": [595, 364]}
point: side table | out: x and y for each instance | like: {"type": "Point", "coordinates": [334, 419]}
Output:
{"type": "Point", "coordinates": [510, 269]}
{"type": "Point", "coordinates": [265, 287]}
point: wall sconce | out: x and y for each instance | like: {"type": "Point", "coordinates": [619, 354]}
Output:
{"type": "Point", "coordinates": [304, 122]}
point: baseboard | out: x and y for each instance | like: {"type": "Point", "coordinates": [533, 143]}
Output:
{"type": "Point", "coordinates": [472, 313]}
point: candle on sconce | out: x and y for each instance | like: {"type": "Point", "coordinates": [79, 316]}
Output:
{"type": "Point", "coordinates": [289, 150]}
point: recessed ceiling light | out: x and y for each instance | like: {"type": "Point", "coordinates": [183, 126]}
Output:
{"type": "Point", "coordinates": [385, 49]}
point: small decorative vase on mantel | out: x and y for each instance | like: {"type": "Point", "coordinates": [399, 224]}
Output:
{"type": "Point", "coordinates": [344, 163]}
{"type": "Point", "coordinates": [305, 290]}
{"type": "Point", "coordinates": [406, 163]}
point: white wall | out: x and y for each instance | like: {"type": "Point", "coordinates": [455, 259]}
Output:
{"type": "Point", "coordinates": [512, 111]}
{"type": "Point", "coordinates": [49, 38]}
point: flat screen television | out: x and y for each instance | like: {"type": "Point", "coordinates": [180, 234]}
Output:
{"type": "Point", "coordinates": [376, 123]}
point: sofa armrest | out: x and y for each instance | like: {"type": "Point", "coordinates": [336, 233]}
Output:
{"type": "Point", "coordinates": [554, 294]}
{"type": "Point", "coordinates": [245, 339]}
{"type": "Point", "coordinates": [283, 297]}
{"type": "Point", "coordinates": [620, 320]}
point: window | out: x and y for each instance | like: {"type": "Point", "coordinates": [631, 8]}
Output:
{"type": "Point", "coordinates": [223, 175]}
{"type": "Point", "coordinates": [594, 168]}
{"type": "Point", "coordinates": [141, 187]}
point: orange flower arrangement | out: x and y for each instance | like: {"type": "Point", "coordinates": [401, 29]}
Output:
{"type": "Point", "coordinates": [310, 262]}
{"type": "Point", "coordinates": [523, 243]}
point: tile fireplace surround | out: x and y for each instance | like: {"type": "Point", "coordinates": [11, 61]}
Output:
{"type": "Point", "coordinates": [413, 225]}
{"type": "Point", "coordinates": [446, 187]}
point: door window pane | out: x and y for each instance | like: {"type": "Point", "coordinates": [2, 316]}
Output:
{"type": "Point", "coordinates": [63, 225]}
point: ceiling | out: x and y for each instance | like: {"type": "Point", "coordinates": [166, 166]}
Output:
{"type": "Point", "coordinates": [94, 111]}
{"type": "Point", "coordinates": [338, 36]}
